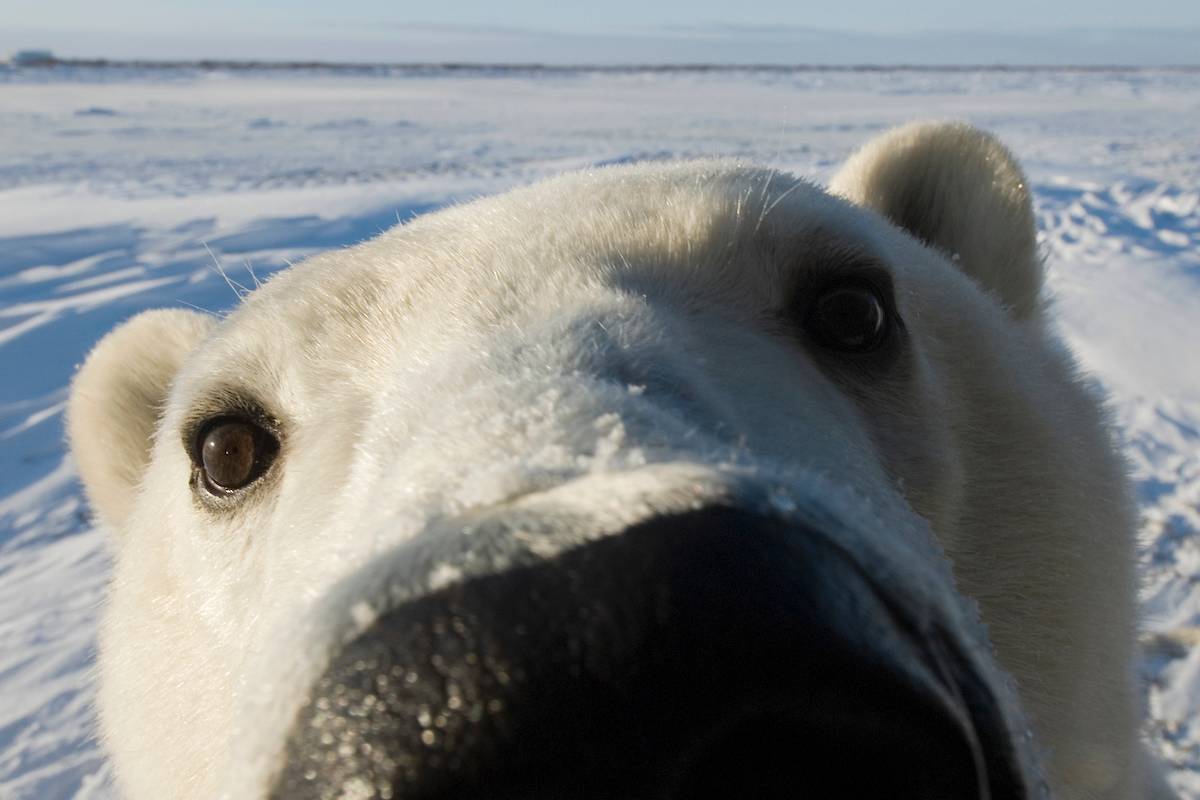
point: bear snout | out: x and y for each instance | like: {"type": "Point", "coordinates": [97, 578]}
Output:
{"type": "Point", "coordinates": [717, 652]}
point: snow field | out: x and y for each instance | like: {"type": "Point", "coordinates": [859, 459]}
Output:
{"type": "Point", "coordinates": [125, 191]}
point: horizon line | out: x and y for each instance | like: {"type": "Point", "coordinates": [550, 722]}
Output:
{"type": "Point", "coordinates": [517, 66]}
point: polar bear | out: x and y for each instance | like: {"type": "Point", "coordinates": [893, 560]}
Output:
{"type": "Point", "coordinates": [665, 480]}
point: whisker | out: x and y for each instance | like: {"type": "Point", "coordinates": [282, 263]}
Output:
{"type": "Point", "coordinates": [234, 285]}
{"type": "Point", "coordinates": [201, 310]}
{"type": "Point", "coordinates": [777, 201]}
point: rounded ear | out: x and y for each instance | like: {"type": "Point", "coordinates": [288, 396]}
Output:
{"type": "Point", "coordinates": [959, 190]}
{"type": "Point", "coordinates": [117, 398]}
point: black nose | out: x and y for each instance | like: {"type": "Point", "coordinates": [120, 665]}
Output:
{"type": "Point", "coordinates": [717, 653]}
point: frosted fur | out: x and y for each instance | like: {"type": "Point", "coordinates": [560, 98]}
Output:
{"type": "Point", "coordinates": [609, 339]}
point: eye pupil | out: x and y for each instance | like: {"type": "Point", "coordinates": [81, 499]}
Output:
{"type": "Point", "coordinates": [849, 318]}
{"type": "Point", "coordinates": [231, 454]}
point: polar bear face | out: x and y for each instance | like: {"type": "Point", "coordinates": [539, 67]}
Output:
{"type": "Point", "coordinates": [596, 448]}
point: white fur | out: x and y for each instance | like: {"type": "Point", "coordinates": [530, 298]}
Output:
{"type": "Point", "coordinates": [117, 399]}
{"type": "Point", "coordinates": [959, 190]}
{"type": "Point", "coordinates": [523, 347]}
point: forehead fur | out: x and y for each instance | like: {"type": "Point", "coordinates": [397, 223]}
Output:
{"type": "Point", "coordinates": [708, 234]}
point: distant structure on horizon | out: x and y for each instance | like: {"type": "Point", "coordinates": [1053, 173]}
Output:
{"type": "Point", "coordinates": [31, 58]}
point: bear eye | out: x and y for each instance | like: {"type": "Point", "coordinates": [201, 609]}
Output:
{"type": "Point", "coordinates": [849, 317]}
{"type": "Point", "coordinates": [233, 452]}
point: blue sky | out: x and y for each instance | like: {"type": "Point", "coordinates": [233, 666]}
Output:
{"type": "Point", "coordinates": [876, 16]}
{"type": "Point", "coordinates": [861, 31]}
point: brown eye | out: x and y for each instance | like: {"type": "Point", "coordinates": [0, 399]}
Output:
{"type": "Point", "coordinates": [850, 318]}
{"type": "Point", "coordinates": [233, 453]}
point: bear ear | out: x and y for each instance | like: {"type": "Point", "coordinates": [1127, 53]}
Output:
{"type": "Point", "coordinates": [959, 190]}
{"type": "Point", "coordinates": [117, 398]}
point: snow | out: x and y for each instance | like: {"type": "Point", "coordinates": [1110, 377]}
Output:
{"type": "Point", "coordinates": [122, 190]}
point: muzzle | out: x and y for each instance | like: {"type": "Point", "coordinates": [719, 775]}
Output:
{"type": "Point", "coordinates": [719, 652]}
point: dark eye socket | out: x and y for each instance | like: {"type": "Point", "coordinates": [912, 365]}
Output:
{"type": "Point", "coordinates": [849, 317]}
{"type": "Point", "coordinates": [232, 452]}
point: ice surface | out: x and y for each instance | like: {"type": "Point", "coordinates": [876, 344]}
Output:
{"type": "Point", "coordinates": [127, 190]}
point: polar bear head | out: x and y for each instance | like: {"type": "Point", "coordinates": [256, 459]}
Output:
{"type": "Point", "coordinates": [665, 480]}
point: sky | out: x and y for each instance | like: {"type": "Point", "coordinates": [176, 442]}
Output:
{"type": "Point", "coordinates": [615, 31]}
